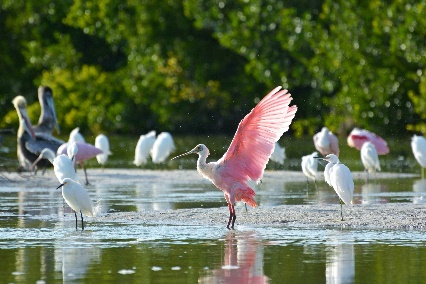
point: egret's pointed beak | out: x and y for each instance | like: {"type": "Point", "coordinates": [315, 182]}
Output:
{"type": "Point", "coordinates": [61, 185]}
{"type": "Point", "coordinates": [187, 153]}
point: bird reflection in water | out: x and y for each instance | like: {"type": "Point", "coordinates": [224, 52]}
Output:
{"type": "Point", "coordinates": [419, 189]}
{"type": "Point", "coordinates": [340, 266]}
{"type": "Point", "coordinates": [242, 261]}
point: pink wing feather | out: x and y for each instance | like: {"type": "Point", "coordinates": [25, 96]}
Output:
{"type": "Point", "coordinates": [85, 151]}
{"type": "Point", "coordinates": [256, 135]}
{"type": "Point", "coordinates": [358, 137]}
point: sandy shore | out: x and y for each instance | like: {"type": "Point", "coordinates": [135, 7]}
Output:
{"type": "Point", "coordinates": [399, 216]}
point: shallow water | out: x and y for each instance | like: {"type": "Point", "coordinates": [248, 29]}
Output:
{"type": "Point", "coordinates": [38, 240]}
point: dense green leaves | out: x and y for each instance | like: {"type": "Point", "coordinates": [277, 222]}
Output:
{"type": "Point", "coordinates": [199, 66]}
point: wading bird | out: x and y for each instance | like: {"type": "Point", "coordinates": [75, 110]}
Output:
{"type": "Point", "coordinates": [162, 147]}
{"type": "Point", "coordinates": [250, 150]}
{"type": "Point", "coordinates": [79, 152]}
{"type": "Point", "coordinates": [62, 165]}
{"type": "Point", "coordinates": [31, 144]}
{"type": "Point", "coordinates": [339, 177]}
{"type": "Point", "coordinates": [326, 142]}
{"type": "Point", "coordinates": [101, 142]}
{"type": "Point", "coordinates": [278, 155]}
{"type": "Point", "coordinates": [418, 145]}
{"type": "Point", "coordinates": [47, 120]}
{"type": "Point", "coordinates": [358, 137]}
{"type": "Point", "coordinates": [143, 148]}
{"type": "Point", "coordinates": [310, 166]}
{"type": "Point", "coordinates": [370, 158]}
{"type": "Point", "coordinates": [77, 198]}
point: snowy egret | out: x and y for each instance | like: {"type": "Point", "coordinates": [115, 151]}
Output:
{"type": "Point", "coordinates": [101, 142]}
{"type": "Point", "coordinates": [310, 166]}
{"type": "Point", "coordinates": [75, 136]}
{"type": "Point", "coordinates": [162, 147]}
{"type": "Point", "coordinates": [249, 151]}
{"type": "Point", "coordinates": [31, 144]}
{"type": "Point", "coordinates": [278, 155]}
{"type": "Point", "coordinates": [143, 148]}
{"type": "Point", "coordinates": [358, 137]}
{"type": "Point", "coordinates": [47, 120]}
{"type": "Point", "coordinates": [338, 176]}
{"type": "Point", "coordinates": [79, 152]}
{"type": "Point", "coordinates": [326, 142]}
{"type": "Point", "coordinates": [77, 198]}
{"type": "Point", "coordinates": [370, 158]}
{"type": "Point", "coordinates": [418, 145]}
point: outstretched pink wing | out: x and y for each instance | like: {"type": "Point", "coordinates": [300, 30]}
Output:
{"type": "Point", "coordinates": [256, 135]}
{"type": "Point", "coordinates": [358, 137]}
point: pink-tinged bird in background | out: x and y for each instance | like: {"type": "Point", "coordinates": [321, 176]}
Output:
{"type": "Point", "coordinates": [326, 142]}
{"type": "Point", "coordinates": [83, 151]}
{"type": "Point", "coordinates": [358, 137]}
{"type": "Point", "coordinates": [249, 151]}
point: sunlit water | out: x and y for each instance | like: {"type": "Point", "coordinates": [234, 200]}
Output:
{"type": "Point", "coordinates": [38, 240]}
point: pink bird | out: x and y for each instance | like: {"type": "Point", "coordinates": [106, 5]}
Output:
{"type": "Point", "coordinates": [358, 137]}
{"type": "Point", "coordinates": [326, 142]}
{"type": "Point", "coordinates": [249, 151]}
{"type": "Point", "coordinates": [78, 152]}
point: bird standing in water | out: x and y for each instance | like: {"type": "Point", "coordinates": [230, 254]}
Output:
{"type": "Point", "coordinates": [250, 150]}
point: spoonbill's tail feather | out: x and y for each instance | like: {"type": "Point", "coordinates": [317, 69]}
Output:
{"type": "Point", "coordinates": [246, 195]}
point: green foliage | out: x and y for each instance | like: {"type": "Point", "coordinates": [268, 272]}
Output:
{"type": "Point", "coordinates": [200, 66]}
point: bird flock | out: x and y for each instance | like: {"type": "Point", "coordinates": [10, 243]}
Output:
{"type": "Point", "coordinates": [254, 144]}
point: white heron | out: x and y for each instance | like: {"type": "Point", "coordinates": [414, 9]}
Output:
{"type": "Point", "coordinates": [101, 142]}
{"type": "Point", "coordinates": [279, 154]}
{"type": "Point", "coordinates": [338, 176]}
{"type": "Point", "coordinates": [370, 158]}
{"type": "Point", "coordinates": [162, 147]}
{"type": "Point", "coordinates": [418, 145]}
{"type": "Point", "coordinates": [75, 136]}
{"type": "Point", "coordinates": [326, 142]}
{"type": "Point", "coordinates": [310, 166]}
{"type": "Point", "coordinates": [143, 148]}
{"type": "Point", "coordinates": [77, 198]}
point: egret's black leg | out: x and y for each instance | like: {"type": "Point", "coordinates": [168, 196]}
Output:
{"type": "Point", "coordinates": [82, 223]}
{"type": "Point", "coordinates": [75, 214]}
{"type": "Point", "coordinates": [341, 210]}
{"type": "Point", "coordinates": [85, 174]}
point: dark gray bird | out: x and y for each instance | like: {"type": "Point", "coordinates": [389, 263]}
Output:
{"type": "Point", "coordinates": [47, 121]}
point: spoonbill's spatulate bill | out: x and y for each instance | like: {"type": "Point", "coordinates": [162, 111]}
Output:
{"type": "Point", "coordinates": [77, 198]}
{"type": "Point", "coordinates": [358, 137]}
{"type": "Point", "coordinates": [339, 177]}
{"type": "Point", "coordinates": [250, 150]}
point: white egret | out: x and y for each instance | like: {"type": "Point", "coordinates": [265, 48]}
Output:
{"type": "Point", "coordinates": [310, 166]}
{"type": "Point", "coordinates": [75, 136]}
{"type": "Point", "coordinates": [143, 148]}
{"type": "Point", "coordinates": [326, 142]}
{"type": "Point", "coordinates": [418, 145]}
{"type": "Point", "coordinates": [77, 198]}
{"type": "Point", "coordinates": [279, 154]}
{"type": "Point", "coordinates": [101, 142]}
{"type": "Point", "coordinates": [338, 176]}
{"type": "Point", "coordinates": [162, 147]}
{"type": "Point", "coordinates": [370, 158]}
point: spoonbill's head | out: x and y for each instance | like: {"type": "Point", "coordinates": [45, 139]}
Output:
{"type": "Point", "coordinates": [200, 149]}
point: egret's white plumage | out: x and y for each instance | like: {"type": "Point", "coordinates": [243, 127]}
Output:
{"type": "Point", "coordinates": [326, 142]}
{"type": "Point", "coordinates": [370, 158]}
{"type": "Point", "coordinates": [77, 198]}
{"type": "Point", "coordinates": [162, 147]}
{"type": "Point", "coordinates": [310, 165]}
{"type": "Point", "coordinates": [418, 145]}
{"type": "Point", "coordinates": [279, 154]}
{"type": "Point", "coordinates": [143, 148]}
{"type": "Point", "coordinates": [75, 136]}
{"type": "Point", "coordinates": [101, 142]}
{"type": "Point", "coordinates": [340, 178]}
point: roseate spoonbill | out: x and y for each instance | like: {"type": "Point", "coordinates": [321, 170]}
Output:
{"type": "Point", "coordinates": [357, 137]}
{"type": "Point", "coordinates": [310, 166]}
{"type": "Point", "coordinates": [418, 145]}
{"type": "Point", "coordinates": [162, 147]}
{"type": "Point", "coordinates": [338, 176]}
{"type": "Point", "coordinates": [47, 120]}
{"type": "Point", "coordinates": [250, 150]}
{"type": "Point", "coordinates": [30, 144]}
{"type": "Point", "coordinates": [78, 152]}
{"type": "Point", "coordinates": [62, 164]}
{"type": "Point", "coordinates": [143, 148]}
{"type": "Point", "coordinates": [101, 142]}
{"type": "Point", "coordinates": [278, 155]}
{"type": "Point", "coordinates": [326, 142]}
{"type": "Point", "coordinates": [370, 158]}
{"type": "Point", "coordinates": [77, 198]}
